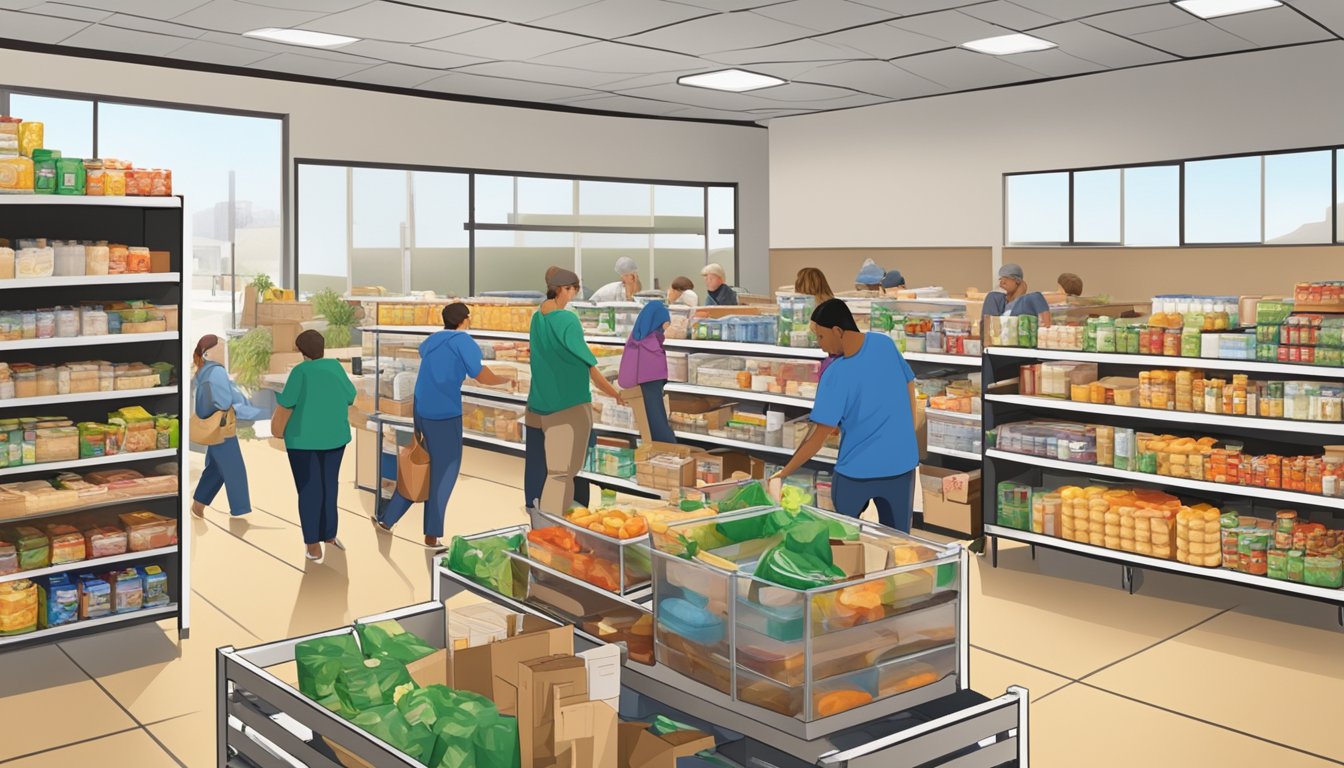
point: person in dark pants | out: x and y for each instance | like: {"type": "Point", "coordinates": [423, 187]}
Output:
{"type": "Point", "coordinates": [224, 467]}
{"type": "Point", "coordinates": [643, 373]}
{"type": "Point", "coordinates": [447, 358]}
{"type": "Point", "coordinates": [319, 392]}
{"type": "Point", "coordinates": [868, 394]}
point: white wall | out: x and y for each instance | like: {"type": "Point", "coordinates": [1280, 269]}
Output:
{"type": "Point", "coordinates": [929, 172]}
{"type": "Point", "coordinates": [334, 123]}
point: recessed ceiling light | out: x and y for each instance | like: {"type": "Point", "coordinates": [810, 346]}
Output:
{"type": "Point", "coordinates": [1212, 9]}
{"type": "Point", "coordinates": [735, 80]}
{"type": "Point", "coordinates": [301, 37]}
{"type": "Point", "coordinates": [1004, 45]}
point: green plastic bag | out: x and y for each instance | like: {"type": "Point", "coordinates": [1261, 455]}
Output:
{"type": "Point", "coordinates": [388, 640]}
{"type": "Point", "coordinates": [663, 725]}
{"type": "Point", "coordinates": [320, 660]}
{"type": "Point", "coordinates": [752, 494]}
{"type": "Point", "coordinates": [455, 730]}
{"type": "Point", "coordinates": [484, 561]}
{"type": "Point", "coordinates": [426, 705]}
{"type": "Point", "coordinates": [802, 560]}
{"type": "Point", "coordinates": [388, 724]}
{"type": "Point", "coordinates": [373, 683]}
{"type": "Point", "coordinates": [497, 744]}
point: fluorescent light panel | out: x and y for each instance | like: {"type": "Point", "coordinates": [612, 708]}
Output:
{"type": "Point", "coordinates": [1212, 9]}
{"type": "Point", "coordinates": [1005, 45]}
{"type": "Point", "coordinates": [301, 37]}
{"type": "Point", "coordinates": [735, 80]}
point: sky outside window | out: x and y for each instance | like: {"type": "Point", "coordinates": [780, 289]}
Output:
{"type": "Point", "coordinates": [1153, 206]}
{"type": "Point", "coordinates": [1096, 206]}
{"type": "Point", "coordinates": [1222, 200]}
{"type": "Point", "coordinates": [1038, 208]}
{"type": "Point", "coordinates": [1298, 197]}
{"type": "Point", "coordinates": [67, 124]}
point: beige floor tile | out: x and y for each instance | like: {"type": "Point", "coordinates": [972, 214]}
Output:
{"type": "Point", "coordinates": [1219, 659]}
{"type": "Point", "coordinates": [46, 702]}
{"type": "Point", "coordinates": [991, 675]}
{"type": "Point", "coordinates": [130, 748]}
{"type": "Point", "coordinates": [1083, 726]}
{"type": "Point", "coordinates": [190, 738]}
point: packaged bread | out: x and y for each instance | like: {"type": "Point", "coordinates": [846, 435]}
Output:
{"type": "Point", "coordinates": [16, 175]}
{"type": "Point", "coordinates": [67, 544]}
{"type": "Point", "coordinates": [18, 607]}
{"type": "Point", "coordinates": [34, 262]}
{"type": "Point", "coordinates": [95, 259]}
{"type": "Point", "coordinates": [146, 530]}
{"type": "Point", "coordinates": [117, 256]}
{"type": "Point", "coordinates": [6, 263]}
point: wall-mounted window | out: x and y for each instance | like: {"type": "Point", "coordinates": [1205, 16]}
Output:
{"type": "Point", "coordinates": [1038, 209]}
{"type": "Point", "coordinates": [1152, 205]}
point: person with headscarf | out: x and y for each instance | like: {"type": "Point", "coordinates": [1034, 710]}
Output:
{"type": "Point", "coordinates": [644, 365]}
{"type": "Point", "coordinates": [717, 291]}
{"type": "Point", "coordinates": [216, 392]}
{"type": "Point", "coordinates": [623, 289]}
{"type": "Point", "coordinates": [869, 277]}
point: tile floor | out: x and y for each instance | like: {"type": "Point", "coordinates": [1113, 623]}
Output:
{"type": "Point", "coordinates": [1185, 672]}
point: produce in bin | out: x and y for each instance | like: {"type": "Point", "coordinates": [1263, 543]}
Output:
{"type": "Point", "coordinates": [497, 744]}
{"type": "Point", "coordinates": [387, 724]}
{"type": "Point", "coordinates": [455, 731]}
{"type": "Point", "coordinates": [486, 562]}
{"type": "Point", "coordinates": [387, 640]}
{"type": "Point", "coordinates": [372, 683]}
{"type": "Point", "coordinates": [320, 661]}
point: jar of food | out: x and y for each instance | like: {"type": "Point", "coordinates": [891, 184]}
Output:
{"type": "Point", "coordinates": [1323, 571]}
{"type": "Point", "coordinates": [1296, 566]}
{"type": "Point", "coordinates": [93, 178]}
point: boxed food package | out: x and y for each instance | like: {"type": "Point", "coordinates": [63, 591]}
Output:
{"type": "Point", "coordinates": [67, 544]}
{"type": "Point", "coordinates": [155, 583]}
{"type": "Point", "coordinates": [951, 499]}
{"type": "Point", "coordinates": [95, 597]}
{"type": "Point", "coordinates": [105, 541]}
{"type": "Point", "coordinates": [665, 466]}
{"type": "Point", "coordinates": [57, 444]}
{"type": "Point", "coordinates": [58, 601]}
{"type": "Point", "coordinates": [18, 607]}
{"type": "Point", "coordinates": [9, 558]}
{"type": "Point", "coordinates": [33, 547]}
{"type": "Point", "coordinates": [128, 590]}
{"type": "Point", "coordinates": [146, 530]}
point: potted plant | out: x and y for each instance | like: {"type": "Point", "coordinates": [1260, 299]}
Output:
{"type": "Point", "coordinates": [340, 315]}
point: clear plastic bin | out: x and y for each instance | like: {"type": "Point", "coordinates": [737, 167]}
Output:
{"type": "Point", "coordinates": [614, 564]}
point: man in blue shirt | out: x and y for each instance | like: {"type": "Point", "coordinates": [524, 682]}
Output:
{"type": "Point", "coordinates": [868, 394]}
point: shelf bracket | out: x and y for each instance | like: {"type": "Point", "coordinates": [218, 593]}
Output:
{"type": "Point", "coordinates": [1131, 578]}
{"type": "Point", "coordinates": [994, 551]}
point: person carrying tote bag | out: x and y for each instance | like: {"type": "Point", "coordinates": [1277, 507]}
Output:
{"type": "Point", "coordinates": [217, 405]}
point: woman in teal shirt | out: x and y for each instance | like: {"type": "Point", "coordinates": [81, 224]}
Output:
{"type": "Point", "coordinates": [319, 392]}
{"type": "Point", "coordinates": [560, 402]}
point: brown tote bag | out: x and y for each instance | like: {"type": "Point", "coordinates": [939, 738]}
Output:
{"type": "Point", "coordinates": [413, 470]}
{"type": "Point", "coordinates": [213, 429]}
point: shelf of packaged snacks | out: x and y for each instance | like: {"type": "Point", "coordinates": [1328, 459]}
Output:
{"type": "Point", "coordinates": [742, 348]}
{"type": "Point", "coordinates": [98, 562]}
{"type": "Point", "coordinates": [102, 503]}
{"type": "Point", "coordinates": [967, 455]}
{"type": "Point", "coordinates": [971, 361]}
{"type": "Point", "coordinates": [70, 282]}
{"type": "Point", "coordinates": [740, 394]}
{"type": "Point", "coordinates": [144, 614]}
{"type": "Point", "coordinates": [84, 397]}
{"type": "Point", "coordinates": [1326, 594]}
{"type": "Point", "coordinates": [954, 414]}
{"type": "Point", "coordinates": [1144, 478]}
{"type": "Point", "coordinates": [86, 341]}
{"type": "Point", "coordinates": [82, 200]}
{"type": "Point", "coordinates": [1181, 417]}
{"type": "Point", "coordinates": [1170, 361]}
{"type": "Point", "coordinates": [100, 461]}
{"type": "Point", "coordinates": [727, 442]}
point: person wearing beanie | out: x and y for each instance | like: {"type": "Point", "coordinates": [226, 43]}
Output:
{"type": "Point", "coordinates": [869, 277]}
{"type": "Point", "coordinates": [1014, 298]}
{"type": "Point", "coordinates": [893, 282]}
{"type": "Point", "coordinates": [623, 289]}
{"type": "Point", "coordinates": [868, 394]}
{"type": "Point", "coordinates": [717, 292]}
{"type": "Point", "coordinates": [447, 359]}
{"type": "Point", "coordinates": [560, 404]}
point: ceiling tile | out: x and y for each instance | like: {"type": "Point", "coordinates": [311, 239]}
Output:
{"type": "Point", "coordinates": [72, 12]}
{"type": "Point", "coordinates": [798, 51]}
{"type": "Point", "coordinates": [1328, 12]}
{"type": "Point", "coordinates": [725, 6]}
{"type": "Point", "coordinates": [960, 69]}
{"type": "Point", "coordinates": [876, 77]}
{"type": "Point", "coordinates": [721, 32]}
{"type": "Point", "coordinates": [252, 43]}
{"type": "Point", "coordinates": [1080, 40]}
{"type": "Point", "coordinates": [1007, 14]}
{"type": "Point", "coordinates": [1077, 9]}
{"type": "Point", "coordinates": [214, 53]}
{"type": "Point", "coordinates": [234, 16]}
{"type": "Point", "coordinates": [626, 104]}
{"type": "Point", "coordinates": [1136, 21]}
{"type": "Point", "coordinates": [395, 75]}
{"type": "Point", "coordinates": [411, 55]}
{"type": "Point", "coordinates": [662, 78]}
{"type": "Point", "coordinates": [950, 26]}
{"type": "Point", "coordinates": [620, 18]}
{"type": "Point", "coordinates": [123, 40]}
{"type": "Point", "coordinates": [824, 15]}
{"type": "Point", "coordinates": [908, 7]}
{"type": "Point", "coordinates": [501, 88]}
{"type": "Point", "coordinates": [507, 41]}
{"type": "Point", "coordinates": [315, 6]}
{"type": "Point", "coordinates": [38, 29]}
{"type": "Point", "coordinates": [617, 57]}
{"type": "Point", "coordinates": [154, 9]}
{"type": "Point", "coordinates": [1055, 63]}
{"type": "Point", "coordinates": [521, 11]}
{"type": "Point", "coordinates": [809, 92]}
{"type": "Point", "coordinates": [1273, 26]}
{"type": "Point", "coordinates": [154, 26]}
{"type": "Point", "coordinates": [543, 73]}
{"type": "Point", "coordinates": [396, 23]}
{"type": "Point", "coordinates": [704, 97]}
{"type": "Point", "coordinates": [884, 41]}
{"type": "Point", "coordinates": [298, 64]}
{"type": "Point", "coordinates": [19, 5]}
{"type": "Point", "coordinates": [786, 70]}
{"type": "Point", "coordinates": [1199, 39]}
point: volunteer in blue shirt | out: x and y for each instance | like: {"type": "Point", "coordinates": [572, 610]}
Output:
{"type": "Point", "coordinates": [1014, 298]}
{"type": "Point", "coordinates": [446, 359]}
{"type": "Point", "coordinates": [868, 394]}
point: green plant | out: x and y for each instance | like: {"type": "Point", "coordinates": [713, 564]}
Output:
{"type": "Point", "coordinates": [339, 314]}
{"type": "Point", "coordinates": [262, 283]}
{"type": "Point", "coordinates": [250, 357]}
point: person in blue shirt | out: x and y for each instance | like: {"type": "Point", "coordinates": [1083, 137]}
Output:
{"type": "Point", "coordinates": [447, 358]}
{"type": "Point", "coordinates": [868, 394]}
{"type": "Point", "coordinates": [224, 467]}
{"type": "Point", "coordinates": [1014, 298]}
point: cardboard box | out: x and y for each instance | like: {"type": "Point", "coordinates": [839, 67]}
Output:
{"type": "Point", "coordinates": [272, 312]}
{"type": "Point", "coordinates": [952, 500]}
{"type": "Point", "coordinates": [543, 685]}
{"type": "Point", "coordinates": [492, 670]}
{"type": "Point", "coordinates": [283, 336]}
{"type": "Point", "coordinates": [434, 669]}
{"type": "Point", "coordinates": [585, 734]}
{"type": "Point", "coordinates": [850, 557]}
{"type": "Point", "coordinates": [727, 462]}
{"type": "Point", "coordinates": [641, 748]}
{"type": "Point", "coordinates": [663, 475]}
{"type": "Point", "coordinates": [392, 407]}
{"type": "Point", "coordinates": [160, 262]}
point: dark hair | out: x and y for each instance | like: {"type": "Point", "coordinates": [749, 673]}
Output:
{"type": "Point", "coordinates": [682, 283]}
{"type": "Point", "coordinates": [207, 343]}
{"type": "Point", "coordinates": [834, 313]}
{"type": "Point", "coordinates": [1071, 283]}
{"type": "Point", "coordinates": [311, 344]}
{"type": "Point", "coordinates": [455, 314]}
{"type": "Point", "coordinates": [551, 292]}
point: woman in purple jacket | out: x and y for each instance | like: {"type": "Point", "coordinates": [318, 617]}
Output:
{"type": "Point", "coordinates": [644, 365]}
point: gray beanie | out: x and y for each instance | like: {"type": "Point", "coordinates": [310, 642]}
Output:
{"type": "Point", "coordinates": [1012, 270]}
{"type": "Point", "coordinates": [626, 266]}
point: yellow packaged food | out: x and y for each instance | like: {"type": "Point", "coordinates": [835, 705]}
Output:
{"type": "Point", "coordinates": [18, 607]}
{"type": "Point", "coordinates": [16, 175]}
{"type": "Point", "coordinates": [30, 138]}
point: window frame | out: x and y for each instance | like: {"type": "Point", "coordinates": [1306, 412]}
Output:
{"type": "Point", "coordinates": [1336, 236]}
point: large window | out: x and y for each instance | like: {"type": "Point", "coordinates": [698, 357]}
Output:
{"type": "Point", "coordinates": [463, 233]}
{"type": "Point", "coordinates": [1277, 198]}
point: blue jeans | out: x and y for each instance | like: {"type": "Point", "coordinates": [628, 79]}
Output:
{"type": "Point", "coordinates": [443, 439]}
{"type": "Point", "coordinates": [534, 469]}
{"type": "Point", "coordinates": [894, 498]}
{"type": "Point", "coordinates": [656, 411]}
{"type": "Point", "coordinates": [316, 475]}
{"type": "Point", "coordinates": [224, 468]}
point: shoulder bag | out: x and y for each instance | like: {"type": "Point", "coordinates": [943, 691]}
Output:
{"type": "Point", "coordinates": [215, 428]}
{"type": "Point", "coordinates": [413, 470]}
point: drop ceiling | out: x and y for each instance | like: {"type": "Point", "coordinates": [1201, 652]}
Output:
{"type": "Point", "coordinates": [625, 55]}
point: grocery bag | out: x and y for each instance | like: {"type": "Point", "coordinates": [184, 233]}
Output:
{"type": "Point", "coordinates": [373, 683]}
{"type": "Point", "coordinates": [485, 561]}
{"type": "Point", "coordinates": [320, 660]}
{"type": "Point", "coordinates": [387, 724]}
{"type": "Point", "coordinates": [497, 744]}
{"type": "Point", "coordinates": [802, 560]}
{"type": "Point", "coordinates": [413, 470]}
{"type": "Point", "coordinates": [455, 731]}
{"type": "Point", "coordinates": [388, 640]}
{"type": "Point", "coordinates": [425, 706]}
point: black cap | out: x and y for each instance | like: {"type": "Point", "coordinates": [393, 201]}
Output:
{"type": "Point", "coordinates": [834, 313]}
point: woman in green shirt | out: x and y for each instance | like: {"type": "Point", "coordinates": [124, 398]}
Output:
{"type": "Point", "coordinates": [560, 403]}
{"type": "Point", "coordinates": [319, 392]}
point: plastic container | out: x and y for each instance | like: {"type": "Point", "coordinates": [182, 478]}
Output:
{"type": "Point", "coordinates": [18, 607]}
